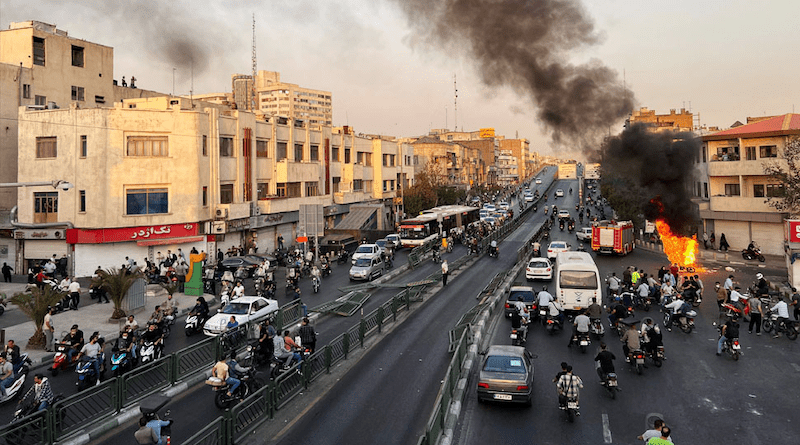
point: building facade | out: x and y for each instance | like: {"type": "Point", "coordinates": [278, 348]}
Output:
{"type": "Point", "coordinates": [738, 190]}
{"type": "Point", "coordinates": [166, 173]}
{"type": "Point", "coordinates": [276, 98]}
{"type": "Point", "coordinates": [683, 121]}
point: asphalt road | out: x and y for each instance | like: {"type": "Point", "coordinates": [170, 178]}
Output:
{"type": "Point", "coordinates": [704, 398]}
{"type": "Point", "coordinates": [388, 396]}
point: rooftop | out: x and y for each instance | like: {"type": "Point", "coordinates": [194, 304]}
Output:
{"type": "Point", "coordinates": [775, 126]}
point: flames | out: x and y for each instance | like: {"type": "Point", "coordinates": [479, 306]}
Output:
{"type": "Point", "coordinates": [679, 249]}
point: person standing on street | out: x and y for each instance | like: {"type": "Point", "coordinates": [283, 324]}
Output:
{"type": "Point", "coordinates": [48, 329]}
{"type": "Point", "coordinates": [7, 272]}
{"type": "Point", "coordinates": [756, 313]}
{"type": "Point", "coordinates": [723, 243]}
{"type": "Point", "coordinates": [75, 293]}
{"type": "Point", "coordinates": [445, 272]}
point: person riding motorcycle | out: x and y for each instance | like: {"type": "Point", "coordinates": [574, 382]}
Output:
{"type": "Point", "coordinates": [630, 340]}
{"type": "Point", "coordinates": [605, 358]}
{"type": "Point", "coordinates": [556, 310]}
{"type": "Point", "coordinates": [544, 298]}
{"type": "Point", "coordinates": [762, 285]}
{"type": "Point", "coordinates": [234, 369]}
{"type": "Point", "coordinates": [728, 332]}
{"type": "Point", "coordinates": [494, 248]}
{"type": "Point", "coordinates": [125, 343]}
{"type": "Point", "coordinates": [651, 335]}
{"type": "Point", "coordinates": [155, 335]}
{"type": "Point", "coordinates": [676, 309]}
{"type": "Point", "coordinates": [580, 326]}
{"type": "Point", "coordinates": [74, 339]}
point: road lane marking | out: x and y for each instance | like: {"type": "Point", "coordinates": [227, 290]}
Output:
{"type": "Point", "coordinates": [707, 368]}
{"type": "Point", "coordinates": [795, 366]}
{"type": "Point", "coordinates": [606, 429]}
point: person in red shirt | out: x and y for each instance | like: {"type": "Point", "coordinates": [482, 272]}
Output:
{"type": "Point", "coordinates": [674, 270]}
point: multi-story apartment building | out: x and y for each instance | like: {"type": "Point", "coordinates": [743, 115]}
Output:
{"type": "Point", "coordinates": [507, 168]}
{"type": "Point", "coordinates": [683, 121]}
{"type": "Point", "coordinates": [520, 150]}
{"type": "Point", "coordinates": [737, 187]}
{"type": "Point", "coordinates": [162, 173]}
{"type": "Point", "coordinates": [276, 98]}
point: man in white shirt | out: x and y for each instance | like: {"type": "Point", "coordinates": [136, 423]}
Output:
{"type": "Point", "coordinates": [544, 298]}
{"type": "Point", "coordinates": [75, 294]}
{"type": "Point", "coordinates": [728, 285]}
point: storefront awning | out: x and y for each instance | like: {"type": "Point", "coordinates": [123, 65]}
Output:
{"type": "Point", "coordinates": [166, 241]}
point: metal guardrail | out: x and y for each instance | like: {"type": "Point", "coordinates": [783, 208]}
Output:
{"type": "Point", "coordinates": [454, 371]}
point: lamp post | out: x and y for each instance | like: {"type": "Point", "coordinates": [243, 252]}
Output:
{"type": "Point", "coordinates": [57, 184]}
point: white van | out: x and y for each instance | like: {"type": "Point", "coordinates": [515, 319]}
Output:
{"type": "Point", "coordinates": [577, 280]}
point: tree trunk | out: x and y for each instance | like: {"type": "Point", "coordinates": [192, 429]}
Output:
{"type": "Point", "coordinates": [118, 314]}
{"type": "Point", "coordinates": [37, 340]}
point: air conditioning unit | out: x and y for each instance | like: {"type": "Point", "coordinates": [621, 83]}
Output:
{"type": "Point", "coordinates": [217, 227]}
{"type": "Point", "coordinates": [222, 213]}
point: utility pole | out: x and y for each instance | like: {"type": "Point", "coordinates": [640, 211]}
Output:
{"type": "Point", "coordinates": [255, 67]}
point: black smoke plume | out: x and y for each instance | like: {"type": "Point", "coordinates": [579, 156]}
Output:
{"type": "Point", "coordinates": [642, 168]}
{"type": "Point", "coordinates": [524, 45]}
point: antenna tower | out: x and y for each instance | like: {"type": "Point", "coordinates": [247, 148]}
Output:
{"type": "Point", "coordinates": [255, 69]}
{"type": "Point", "coordinates": [455, 102]}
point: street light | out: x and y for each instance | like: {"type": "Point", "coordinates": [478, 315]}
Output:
{"type": "Point", "coordinates": [58, 184]}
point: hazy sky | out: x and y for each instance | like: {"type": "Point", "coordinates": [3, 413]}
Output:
{"type": "Point", "coordinates": [725, 59]}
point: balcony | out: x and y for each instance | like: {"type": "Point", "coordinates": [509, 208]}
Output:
{"type": "Point", "coordinates": [290, 171]}
{"type": "Point", "coordinates": [741, 168]}
{"type": "Point", "coordinates": [349, 197]}
{"type": "Point", "coordinates": [279, 205]}
{"type": "Point", "coordinates": [739, 204]}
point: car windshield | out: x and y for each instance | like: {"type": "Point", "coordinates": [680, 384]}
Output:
{"type": "Point", "coordinates": [502, 363]}
{"type": "Point", "coordinates": [362, 262]}
{"type": "Point", "coordinates": [364, 249]}
{"type": "Point", "coordinates": [576, 279]}
{"type": "Point", "coordinates": [539, 264]}
{"type": "Point", "coordinates": [381, 243]}
{"type": "Point", "coordinates": [558, 245]}
{"type": "Point", "coordinates": [235, 308]}
{"type": "Point", "coordinates": [525, 294]}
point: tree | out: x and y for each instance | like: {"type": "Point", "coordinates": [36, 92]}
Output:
{"type": "Point", "coordinates": [171, 287]}
{"type": "Point", "coordinates": [789, 178]}
{"type": "Point", "coordinates": [116, 283]}
{"type": "Point", "coordinates": [430, 189]}
{"type": "Point", "coordinates": [35, 305]}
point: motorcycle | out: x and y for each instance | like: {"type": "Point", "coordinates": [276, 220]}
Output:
{"type": "Point", "coordinates": [552, 324]}
{"type": "Point", "coordinates": [325, 269]}
{"type": "Point", "coordinates": [789, 327]}
{"type": "Point", "coordinates": [752, 254]}
{"type": "Point", "coordinates": [87, 376]}
{"type": "Point", "coordinates": [609, 381]}
{"type": "Point", "coordinates": [494, 252]}
{"type": "Point", "coordinates": [519, 336]}
{"type": "Point", "coordinates": [571, 227]}
{"type": "Point", "coordinates": [596, 327]}
{"type": "Point", "coordinates": [582, 339]}
{"type": "Point", "coordinates": [546, 235]}
{"type": "Point", "coordinates": [685, 321]}
{"type": "Point", "coordinates": [149, 352]}
{"type": "Point", "coordinates": [250, 384]}
{"type": "Point", "coordinates": [194, 323]}
{"type": "Point", "coordinates": [436, 257]}
{"type": "Point", "coordinates": [731, 346]}
{"type": "Point", "coordinates": [315, 284]}
{"type": "Point", "coordinates": [636, 359]}
{"type": "Point", "coordinates": [16, 388]}
{"type": "Point", "coordinates": [27, 406]}
{"type": "Point", "coordinates": [570, 407]}
{"type": "Point", "coordinates": [121, 362]}
{"type": "Point", "coordinates": [561, 225]}
{"type": "Point", "coordinates": [60, 359]}
{"type": "Point", "coordinates": [342, 257]}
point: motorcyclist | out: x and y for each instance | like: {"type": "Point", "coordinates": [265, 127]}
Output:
{"type": "Point", "coordinates": [762, 285]}
{"type": "Point", "coordinates": [630, 340]}
{"type": "Point", "coordinates": [93, 350]}
{"type": "Point", "coordinates": [238, 290]}
{"type": "Point", "coordinates": [234, 369]}
{"type": "Point", "coordinates": [556, 310]}
{"type": "Point", "coordinates": [522, 310]}
{"type": "Point", "coordinates": [537, 248]}
{"type": "Point", "coordinates": [315, 273]}
{"type": "Point", "coordinates": [42, 393]}
{"type": "Point", "coordinates": [729, 331]}
{"type": "Point", "coordinates": [494, 247]}
{"type": "Point", "coordinates": [155, 335]}
{"type": "Point", "coordinates": [782, 309]}
{"type": "Point", "coordinates": [544, 298]}
{"type": "Point", "coordinates": [200, 309]}
{"type": "Point", "coordinates": [580, 326]}
{"type": "Point", "coordinates": [157, 316]}
{"type": "Point", "coordinates": [281, 353]}
{"type": "Point", "coordinates": [125, 343]}
{"type": "Point", "coordinates": [222, 371]}
{"type": "Point", "coordinates": [613, 284]}
{"type": "Point", "coordinates": [568, 385]}
{"type": "Point", "coordinates": [676, 308]}
{"type": "Point", "coordinates": [594, 311]}
{"type": "Point", "coordinates": [605, 359]}
{"type": "Point", "coordinates": [170, 307]}
{"type": "Point", "coordinates": [617, 312]}
{"type": "Point", "coordinates": [651, 335]}
{"type": "Point", "coordinates": [74, 339]}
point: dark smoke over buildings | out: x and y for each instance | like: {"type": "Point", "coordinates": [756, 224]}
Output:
{"type": "Point", "coordinates": [524, 45]}
{"type": "Point", "coordinates": [649, 166]}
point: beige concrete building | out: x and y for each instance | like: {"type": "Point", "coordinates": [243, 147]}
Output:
{"type": "Point", "coordinates": [683, 121]}
{"type": "Point", "coordinates": [276, 98]}
{"type": "Point", "coordinates": [165, 173]}
{"type": "Point", "coordinates": [737, 188]}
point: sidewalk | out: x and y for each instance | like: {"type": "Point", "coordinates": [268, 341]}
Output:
{"type": "Point", "coordinates": [731, 257]}
{"type": "Point", "coordinates": [90, 318]}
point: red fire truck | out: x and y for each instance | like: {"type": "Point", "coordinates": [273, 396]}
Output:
{"type": "Point", "coordinates": [614, 237]}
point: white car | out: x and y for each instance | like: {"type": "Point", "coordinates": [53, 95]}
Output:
{"type": "Point", "coordinates": [395, 241]}
{"type": "Point", "coordinates": [538, 181]}
{"type": "Point", "coordinates": [539, 269]}
{"type": "Point", "coordinates": [504, 205]}
{"type": "Point", "coordinates": [528, 197]}
{"type": "Point", "coordinates": [366, 251]}
{"type": "Point", "coordinates": [584, 234]}
{"type": "Point", "coordinates": [560, 193]}
{"type": "Point", "coordinates": [489, 207]}
{"type": "Point", "coordinates": [555, 247]}
{"type": "Point", "coordinates": [244, 309]}
{"type": "Point", "coordinates": [563, 214]}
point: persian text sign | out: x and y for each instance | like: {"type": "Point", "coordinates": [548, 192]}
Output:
{"type": "Point", "coordinates": [119, 235]}
{"type": "Point", "coordinates": [793, 230]}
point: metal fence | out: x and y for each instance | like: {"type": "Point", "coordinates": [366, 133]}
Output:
{"type": "Point", "coordinates": [135, 298]}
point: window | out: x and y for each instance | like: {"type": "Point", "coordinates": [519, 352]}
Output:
{"type": "Point", "coordinates": [100, 99]}
{"type": "Point", "coordinates": [416, 159]}
{"type": "Point", "coordinates": [205, 145]}
{"type": "Point", "coordinates": [314, 153]}
{"type": "Point", "coordinates": [280, 151]}
{"type": "Point", "coordinates": [261, 148]}
{"type": "Point", "coordinates": [77, 56]}
{"type": "Point", "coordinates": [750, 152]}
{"type": "Point", "coordinates": [732, 190]}
{"type": "Point", "coordinates": [336, 181]}
{"type": "Point", "coordinates": [26, 91]}
{"type": "Point", "coordinates": [698, 189]}
{"type": "Point", "coordinates": [281, 189]}
{"type": "Point", "coordinates": [147, 201]}
{"type": "Point", "coordinates": [388, 160]}
{"type": "Point", "coordinates": [358, 185]}
{"type": "Point", "coordinates": [388, 185]}
{"type": "Point", "coordinates": [360, 157]}
{"type": "Point", "coordinates": [768, 151]}
{"type": "Point", "coordinates": [703, 153]}
{"type": "Point", "coordinates": [758, 190]}
{"type": "Point", "coordinates": [298, 152]}
{"type": "Point", "coordinates": [775, 191]}
{"type": "Point", "coordinates": [225, 193]}
{"type": "Point", "coordinates": [262, 189]}
{"type": "Point", "coordinates": [46, 147]}
{"type": "Point", "coordinates": [82, 203]}
{"type": "Point", "coordinates": [77, 93]}
{"type": "Point", "coordinates": [312, 188]}
{"type": "Point", "coordinates": [293, 190]}
{"type": "Point", "coordinates": [45, 207]}
{"type": "Point", "coordinates": [84, 146]}
{"type": "Point", "coordinates": [38, 51]}
{"type": "Point", "coordinates": [41, 100]}
{"type": "Point", "coordinates": [705, 190]}
{"type": "Point", "coordinates": [225, 146]}
{"type": "Point", "coordinates": [147, 146]}
{"type": "Point", "coordinates": [368, 185]}
{"type": "Point", "coordinates": [346, 155]}
{"type": "Point", "coordinates": [367, 159]}
{"type": "Point", "coordinates": [335, 153]}
{"type": "Point", "coordinates": [205, 196]}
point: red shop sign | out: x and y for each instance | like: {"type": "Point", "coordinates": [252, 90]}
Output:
{"type": "Point", "coordinates": [125, 234]}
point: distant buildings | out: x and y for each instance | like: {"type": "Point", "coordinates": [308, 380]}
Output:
{"type": "Point", "coordinates": [683, 121]}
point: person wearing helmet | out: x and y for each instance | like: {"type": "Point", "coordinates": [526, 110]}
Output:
{"type": "Point", "coordinates": [762, 285]}
{"type": "Point", "coordinates": [544, 298]}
